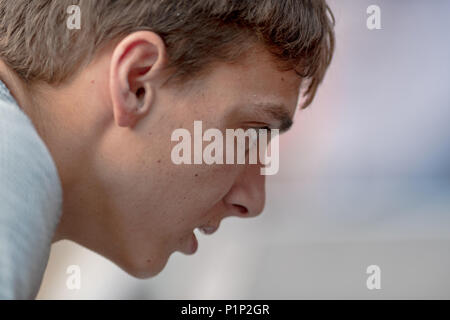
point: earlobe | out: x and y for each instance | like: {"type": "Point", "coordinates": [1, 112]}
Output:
{"type": "Point", "coordinates": [136, 71]}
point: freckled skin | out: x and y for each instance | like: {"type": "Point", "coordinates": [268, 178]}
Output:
{"type": "Point", "coordinates": [123, 196]}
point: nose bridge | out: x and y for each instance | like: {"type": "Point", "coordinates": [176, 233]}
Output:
{"type": "Point", "coordinates": [247, 196]}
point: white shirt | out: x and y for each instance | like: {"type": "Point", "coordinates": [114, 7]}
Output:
{"type": "Point", "coordinates": [30, 202]}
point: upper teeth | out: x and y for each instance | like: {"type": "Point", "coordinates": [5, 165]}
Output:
{"type": "Point", "coordinates": [207, 229]}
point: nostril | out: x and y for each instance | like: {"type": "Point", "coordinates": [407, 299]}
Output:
{"type": "Point", "coordinates": [241, 209]}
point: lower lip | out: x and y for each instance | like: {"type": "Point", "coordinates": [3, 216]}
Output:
{"type": "Point", "coordinates": [193, 244]}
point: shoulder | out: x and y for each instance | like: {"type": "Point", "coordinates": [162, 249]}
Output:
{"type": "Point", "coordinates": [30, 202]}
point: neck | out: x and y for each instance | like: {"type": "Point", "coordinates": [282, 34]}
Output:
{"type": "Point", "coordinates": [54, 113]}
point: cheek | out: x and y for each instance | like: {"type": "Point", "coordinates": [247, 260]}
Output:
{"type": "Point", "coordinates": [197, 191]}
{"type": "Point", "coordinates": [215, 180]}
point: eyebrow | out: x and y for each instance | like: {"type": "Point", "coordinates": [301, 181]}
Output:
{"type": "Point", "coordinates": [278, 112]}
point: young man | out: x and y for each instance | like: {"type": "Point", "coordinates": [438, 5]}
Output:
{"type": "Point", "coordinates": [86, 117]}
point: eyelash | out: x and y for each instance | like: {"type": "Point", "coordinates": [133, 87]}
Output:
{"type": "Point", "coordinates": [264, 127]}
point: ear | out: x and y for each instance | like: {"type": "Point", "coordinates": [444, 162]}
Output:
{"type": "Point", "coordinates": [136, 71]}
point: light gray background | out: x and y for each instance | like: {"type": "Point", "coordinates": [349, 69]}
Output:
{"type": "Point", "coordinates": [364, 179]}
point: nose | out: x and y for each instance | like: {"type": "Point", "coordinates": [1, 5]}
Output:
{"type": "Point", "coordinates": [247, 196]}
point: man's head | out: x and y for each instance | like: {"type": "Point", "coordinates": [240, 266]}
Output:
{"type": "Point", "coordinates": [107, 97]}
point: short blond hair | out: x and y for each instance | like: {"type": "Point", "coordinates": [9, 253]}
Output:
{"type": "Point", "coordinates": [36, 43]}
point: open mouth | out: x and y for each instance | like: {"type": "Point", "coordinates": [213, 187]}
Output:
{"type": "Point", "coordinates": [191, 245]}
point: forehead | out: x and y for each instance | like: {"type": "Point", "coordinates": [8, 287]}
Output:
{"type": "Point", "coordinates": [255, 81]}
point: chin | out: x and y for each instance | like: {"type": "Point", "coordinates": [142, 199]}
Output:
{"type": "Point", "coordinates": [145, 268]}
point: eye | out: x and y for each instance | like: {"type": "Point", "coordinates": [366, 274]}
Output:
{"type": "Point", "coordinates": [254, 141]}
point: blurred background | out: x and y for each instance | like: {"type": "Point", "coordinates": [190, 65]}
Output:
{"type": "Point", "coordinates": [364, 180]}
